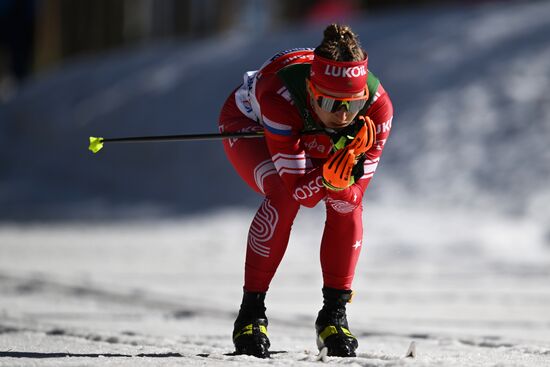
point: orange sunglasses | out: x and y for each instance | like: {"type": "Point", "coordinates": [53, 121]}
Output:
{"type": "Point", "coordinates": [333, 104]}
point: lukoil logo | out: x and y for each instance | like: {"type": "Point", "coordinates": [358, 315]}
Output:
{"type": "Point", "coordinates": [345, 72]}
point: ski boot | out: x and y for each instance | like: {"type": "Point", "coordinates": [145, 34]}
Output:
{"type": "Point", "coordinates": [250, 331]}
{"type": "Point", "coordinates": [332, 324]}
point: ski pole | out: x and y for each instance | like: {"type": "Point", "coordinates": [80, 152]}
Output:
{"type": "Point", "coordinates": [96, 143]}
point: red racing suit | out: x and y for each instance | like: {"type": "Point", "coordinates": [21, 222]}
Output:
{"type": "Point", "coordinates": [286, 167]}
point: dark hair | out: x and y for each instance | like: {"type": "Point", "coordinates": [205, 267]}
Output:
{"type": "Point", "coordinates": [340, 44]}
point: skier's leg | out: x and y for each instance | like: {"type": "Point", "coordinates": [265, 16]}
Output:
{"type": "Point", "coordinates": [341, 246]}
{"type": "Point", "coordinates": [270, 230]}
{"type": "Point", "coordinates": [340, 249]}
{"type": "Point", "coordinates": [268, 234]}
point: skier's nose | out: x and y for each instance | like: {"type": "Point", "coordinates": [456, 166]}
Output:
{"type": "Point", "coordinates": [341, 113]}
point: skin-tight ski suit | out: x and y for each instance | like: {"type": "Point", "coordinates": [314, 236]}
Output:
{"type": "Point", "coordinates": [286, 167]}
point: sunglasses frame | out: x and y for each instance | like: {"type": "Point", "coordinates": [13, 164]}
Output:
{"type": "Point", "coordinates": [318, 97]}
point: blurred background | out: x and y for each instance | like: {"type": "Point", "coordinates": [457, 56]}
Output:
{"type": "Point", "coordinates": [469, 81]}
{"type": "Point", "coordinates": [39, 34]}
{"type": "Point", "coordinates": [457, 236]}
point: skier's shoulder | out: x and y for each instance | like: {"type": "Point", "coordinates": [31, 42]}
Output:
{"type": "Point", "coordinates": [285, 58]}
{"type": "Point", "coordinates": [273, 94]}
{"type": "Point", "coordinates": [377, 92]}
{"type": "Point", "coordinates": [279, 112]}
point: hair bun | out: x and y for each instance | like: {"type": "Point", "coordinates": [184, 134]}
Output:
{"type": "Point", "coordinates": [332, 33]}
{"type": "Point", "coordinates": [337, 33]}
{"type": "Point", "coordinates": [340, 43]}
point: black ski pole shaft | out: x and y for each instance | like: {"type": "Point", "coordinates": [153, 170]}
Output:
{"type": "Point", "coordinates": [96, 143]}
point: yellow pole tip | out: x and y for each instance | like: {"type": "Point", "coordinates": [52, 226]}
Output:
{"type": "Point", "coordinates": [95, 144]}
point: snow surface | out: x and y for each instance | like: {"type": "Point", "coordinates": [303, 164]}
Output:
{"type": "Point", "coordinates": [124, 258]}
{"type": "Point", "coordinates": [167, 293]}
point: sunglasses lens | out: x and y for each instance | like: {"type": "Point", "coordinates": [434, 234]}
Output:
{"type": "Point", "coordinates": [328, 104]}
{"type": "Point", "coordinates": [356, 106]}
{"type": "Point", "coordinates": [333, 105]}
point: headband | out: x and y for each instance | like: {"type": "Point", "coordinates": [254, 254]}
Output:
{"type": "Point", "coordinates": [339, 76]}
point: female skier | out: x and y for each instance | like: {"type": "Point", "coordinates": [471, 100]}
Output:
{"type": "Point", "coordinates": [326, 119]}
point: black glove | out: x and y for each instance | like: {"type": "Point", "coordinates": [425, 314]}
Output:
{"type": "Point", "coordinates": [359, 169]}
{"type": "Point", "coordinates": [344, 136]}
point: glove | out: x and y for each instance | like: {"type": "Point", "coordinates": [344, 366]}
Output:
{"type": "Point", "coordinates": [345, 166]}
{"type": "Point", "coordinates": [359, 169]}
{"type": "Point", "coordinates": [345, 136]}
{"type": "Point", "coordinates": [337, 170]}
{"type": "Point", "coordinates": [365, 138]}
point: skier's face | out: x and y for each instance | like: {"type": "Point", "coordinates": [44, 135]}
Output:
{"type": "Point", "coordinates": [342, 116]}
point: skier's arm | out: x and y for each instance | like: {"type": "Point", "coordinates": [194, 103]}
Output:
{"type": "Point", "coordinates": [282, 125]}
{"type": "Point", "coordinates": [381, 113]}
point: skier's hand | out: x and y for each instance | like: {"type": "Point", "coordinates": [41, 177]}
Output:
{"type": "Point", "coordinates": [365, 137]}
{"type": "Point", "coordinates": [362, 134]}
{"type": "Point", "coordinates": [359, 169]}
{"type": "Point", "coordinates": [345, 166]}
{"type": "Point", "coordinates": [337, 170]}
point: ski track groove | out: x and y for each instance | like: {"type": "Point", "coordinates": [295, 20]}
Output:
{"type": "Point", "coordinates": [179, 309]}
{"type": "Point", "coordinates": [94, 337]}
{"type": "Point", "coordinates": [133, 339]}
